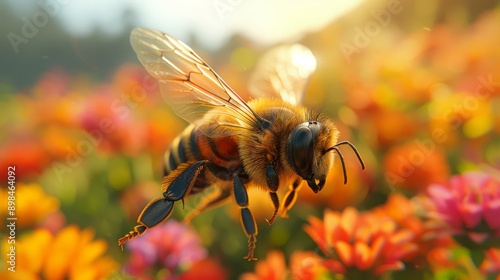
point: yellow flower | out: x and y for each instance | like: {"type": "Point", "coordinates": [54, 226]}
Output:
{"type": "Point", "coordinates": [32, 204]}
{"type": "Point", "coordinates": [71, 254]}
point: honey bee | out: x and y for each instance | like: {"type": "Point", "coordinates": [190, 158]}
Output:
{"type": "Point", "coordinates": [271, 142]}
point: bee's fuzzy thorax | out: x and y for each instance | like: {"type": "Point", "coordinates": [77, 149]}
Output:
{"type": "Point", "coordinates": [257, 150]}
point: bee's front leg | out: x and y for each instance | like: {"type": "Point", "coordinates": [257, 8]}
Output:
{"type": "Point", "coordinates": [290, 197]}
{"type": "Point", "coordinates": [273, 184]}
{"type": "Point", "coordinates": [247, 221]}
{"type": "Point", "coordinates": [276, 203]}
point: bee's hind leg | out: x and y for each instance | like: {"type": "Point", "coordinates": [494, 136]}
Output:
{"type": "Point", "coordinates": [155, 212]}
{"type": "Point", "coordinates": [214, 199]}
{"type": "Point", "coordinates": [179, 184]}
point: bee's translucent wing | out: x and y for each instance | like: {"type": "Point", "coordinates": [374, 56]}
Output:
{"type": "Point", "coordinates": [188, 84]}
{"type": "Point", "coordinates": [283, 72]}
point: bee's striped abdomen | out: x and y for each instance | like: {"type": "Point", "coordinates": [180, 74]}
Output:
{"type": "Point", "coordinates": [193, 145]}
{"type": "Point", "coordinates": [184, 148]}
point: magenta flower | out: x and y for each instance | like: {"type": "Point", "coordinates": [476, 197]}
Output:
{"type": "Point", "coordinates": [470, 206]}
{"type": "Point", "coordinates": [171, 246]}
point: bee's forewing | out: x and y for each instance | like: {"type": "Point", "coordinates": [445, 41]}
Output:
{"type": "Point", "coordinates": [188, 84]}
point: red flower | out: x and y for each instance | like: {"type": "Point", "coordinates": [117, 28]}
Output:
{"type": "Point", "coordinates": [27, 156]}
{"type": "Point", "coordinates": [207, 269]}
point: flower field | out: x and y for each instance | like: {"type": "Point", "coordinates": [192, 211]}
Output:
{"type": "Point", "coordinates": [81, 156]}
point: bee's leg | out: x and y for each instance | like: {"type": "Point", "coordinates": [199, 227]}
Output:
{"type": "Point", "coordinates": [217, 197]}
{"type": "Point", "coordinates": [182, 184]}
{"type": "Point", "coordinates": [159, 210]}
{"type": "Point", "coordinates": [155, 212]}
{"type": "Point", "coordinates": [214, 199]}
{"type": "Point", "coordinates": [276, 202]}
{"type": "Point", "coordinates": [290, 197]}
{"type": "Point", "coordinates": [247, 220]}
{"type": "Point", "coordinates": [273, 184]}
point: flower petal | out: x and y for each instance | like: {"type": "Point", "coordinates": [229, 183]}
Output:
{"type": "Point", "coordinates": [334, 266]}
{"type": "Point", "coordinates": [478, 237]}
{"type": "Point", "coordinates": [345, 252]}
{"type": "Point", "coordinates": [492, 261]}
{"type": "Point", "coordinates": [349, 220]}
{"type": "Point", "coordinates": [363, 257]}
{"type": "Point", "coordinates": [492, 213]}
{"type": "Point", "coordinates": [390, 266]}
{"type": "Point", "coordinates": [471, 214]}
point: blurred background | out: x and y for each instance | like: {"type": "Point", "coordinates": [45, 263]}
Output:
{"type": "Point", "coordinates": [415, 85]}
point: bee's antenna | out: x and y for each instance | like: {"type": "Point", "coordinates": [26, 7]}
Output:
{"type": "Point", "coordinates": [335, 148]}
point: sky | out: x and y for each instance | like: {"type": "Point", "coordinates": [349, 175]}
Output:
{"type": "Point", "coordinates": [211, 21]}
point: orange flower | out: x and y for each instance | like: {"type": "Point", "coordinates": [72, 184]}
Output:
{"type": "Point", "coordinates": [360, 244]}
{"type": "Point", "coordinates": [306, 265]}
{"type": "Point", "coordinates": [71, 254]}
{"type": "Point", "coordinates": [391, 126]}
{"type": "Point", "coordinates": [415, 165]}
{"type": "Point", "coordinates": [55, 140]}
{"type": "Point", "coordinates": [272, 268]}
{"type": "Point", "coordinates": [440, 259]}
{"type": "Point", "coordinates": [406, 214]}
{"type": "Point", "coordinates": [491, 264]}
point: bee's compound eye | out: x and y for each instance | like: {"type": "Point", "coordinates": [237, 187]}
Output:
{"type": "Point", "coordinates": [300, 147]}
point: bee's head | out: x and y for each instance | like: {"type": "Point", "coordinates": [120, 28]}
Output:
{"type": "Point", "coordinates": [304, 151]}
{"type": "Point", "coordinates": [307, 151]}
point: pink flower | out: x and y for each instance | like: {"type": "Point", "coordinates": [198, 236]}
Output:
{"type": "Point", "coordinates": [171, 246]}
{"type": "Point", "coordinates": [470, 207]}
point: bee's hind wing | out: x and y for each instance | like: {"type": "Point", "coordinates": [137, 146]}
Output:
{"type": "Point", "coordinates": [283, 72]}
